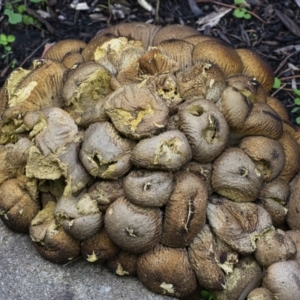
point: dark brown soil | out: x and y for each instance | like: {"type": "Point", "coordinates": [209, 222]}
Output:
{"type": "Point", "coordinates": [273, 30]}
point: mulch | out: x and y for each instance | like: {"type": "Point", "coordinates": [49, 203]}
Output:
{"type": "Point", "coordinates": [273, 30]}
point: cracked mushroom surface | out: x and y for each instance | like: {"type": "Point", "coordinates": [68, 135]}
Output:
{"type": "Point", "coordinates": [159, 152]}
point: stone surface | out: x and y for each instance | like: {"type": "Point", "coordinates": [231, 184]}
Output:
{"type": "Point", "coordinates": [25, 275]}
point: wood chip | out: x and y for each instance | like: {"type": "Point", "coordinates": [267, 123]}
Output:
{"type": "Point", "coordinates": [290, 24]}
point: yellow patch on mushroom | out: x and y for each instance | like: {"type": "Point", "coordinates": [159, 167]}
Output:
{"type": "Point", "coordinates": [120, 271]}
{"type": "Point", "coordinates": [167, 287]}
{"type": "Point", "coordinates": [132, 120]}
{"type": "Point", "coordinates": [21, 94]}
{"type": "Point", "coordinates": [110, 47]}
{"type": "Point", "coordinates": [92, 258]}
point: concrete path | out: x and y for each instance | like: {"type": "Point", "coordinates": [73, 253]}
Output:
{"type": "Point", "coordinates": [25, 275]}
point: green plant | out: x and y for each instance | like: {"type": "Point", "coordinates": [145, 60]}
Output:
{"type": "Point", "coordinates": [207, 295]}
{"type": "Point", "coordinates": [277, 83]}
{"type": "Point", "coordinates": [241, 11]}
{"type": "Point", "coordinates": [5, 41]}
{"type": "Point", "coordinates": [297, 104]}
{"type": "Point", "coordinates": [16, 13]}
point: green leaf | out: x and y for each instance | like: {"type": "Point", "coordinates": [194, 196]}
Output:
{"type": "Point", "coordinates": [3, 37]}
{"type": "Point", "coordinates": [297, 101]}
{"type": "Point", "coordinates": [21, 8]}
{"type": "Point", "coordinates": [13, 18]}
{"type": "Point", "coordinates": [239, 13]}
{"type": "Point", "coordinates": [277, 83]}
{"type": "Point", "coordinates": [7, 48]}
{"type": "Point", "coordinates": [27, 20]}
{"type": "Point", "coordinates": [298, 120]}
{"type": "Point", "coordinates": [36, 1]}
{"type": "Point", "coordinates": [239, 2]}
{"type": "Point", "coordinates": [295, 109]}
{"type": "Point", "coordinates": [297, 92]}
{"type": "Point", "coordinates": [247, 16]}
{"type": "Point", "coordinates": [11, 38]}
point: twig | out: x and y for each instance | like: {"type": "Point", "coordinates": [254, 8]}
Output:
{"type": "Point", "coordinates": [278, 90]}
{"type": "Point", "coordinates": [284, 62]}
{"type": "Point", "coordinates": [233, 7]}
{"type": "Point", "coordinates": [289, 77]}
{"type": "Point", "coordinates": [33, 52]}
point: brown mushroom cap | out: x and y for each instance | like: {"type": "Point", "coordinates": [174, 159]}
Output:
{"type": "Point", "coordinates": [273, 197]}
{"type": "Point", "coordinates": [274, 246]}
{"type": "Point", "coordinates": [136, 111]}
{"type": "Point", "coordinates": [249, 87]}
{"type": "Point", "coordinates": [215, 52]}
{"type": "Point", "coordinates": [169, 150]}
{"type": "Point", "coordinates": [60, 49]}
{"type": "Point", "coordinates": [255, 66]}
{"type": "Point", "coordinates": [294, 235]}
{"type": "Point", "coordinates": [260, 293]}
{"type": "Point", "coordinates": [79, 216]}
{"type": "Point", "coordinates": [104, 152]}
{"type": "Point", "coordinates": [293, 206]}
{"type": "Point", "coordinates": [203, 256]}
{"type": "Point", "coordinates": [72, 59]}
{"type": "Point", "coordinates": [236, 176]}
{"type": "Point", "coordinates": [85, 85]}
{"type": "Point", "coordinates": [133, 228]}
{"type": "Point", "coordinates": [124, 263]}
{"type": "Point", "coordinates": [50, 239]}
{"type": "Point", "coordinates": [148, 188]}
{"type": "Point", "coordinates": [143, 32]}
{"type": "Point", "coordinates": [267, 154]}
{"type": "Point", "coordinates": [40, 89]}
{"type": "Point", "coordinates": [198, 38]}
{"type": "Point", "coordinates": [167, 271]}
{"type": "Point", "coordinates": [279, 107]}
{"type": "Point", "coordinates": [185, 210]}
{"type": "Point", "coordinates": [98, 248]}
{"type": "Point", "coordinates": [205, 128]}
{"type": "Point", "coordinates": [292, 157]}
{"type": "Point", "coordinates": [247, 272]}
{"type": "Point", "coordinates": [18, 203]}
{"type": "Point", "coordinates": [174, 31]}
{"type": "Point", "coordinates": [203, 80]}
{"type": "Point", "coordinates": [282, 279]}
{"type": "Point", "coordinates": [178, 50]}
{"type": "Point", "coordinates": [237, 224]}
{"type": "Point", "coordinates": [106, 192]}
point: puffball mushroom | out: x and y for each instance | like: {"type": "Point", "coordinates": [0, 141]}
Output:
{"type": "Point", "coordinates": [157, 151]}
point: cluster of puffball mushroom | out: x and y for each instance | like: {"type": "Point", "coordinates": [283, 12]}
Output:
{"type": "Point", "coordinates": [159, 152]}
